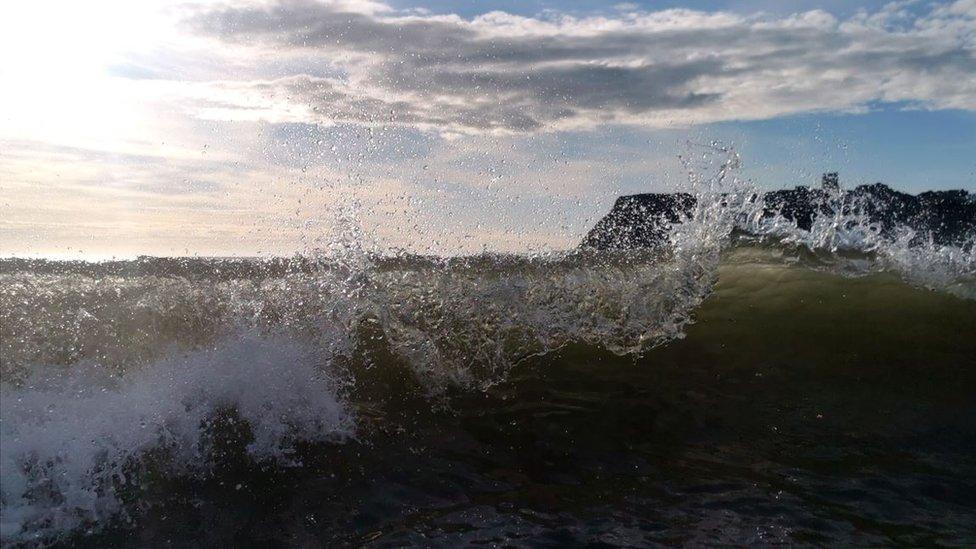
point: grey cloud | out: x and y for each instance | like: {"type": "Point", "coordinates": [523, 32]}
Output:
{"type": "Point", "coordinates": [585, 86]}
{"type": "Point", "coordinates": [303, 23]}
{"type": "Point", "coordinates": [472, 76]}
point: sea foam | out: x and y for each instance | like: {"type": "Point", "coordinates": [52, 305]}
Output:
{"type": "Point", "coordinates": [68, 435]}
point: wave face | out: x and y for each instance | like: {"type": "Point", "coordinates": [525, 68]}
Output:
{"type": "Point", "coordinates": [233, 379]}
{"type": "Point", "coordinates": [780, 386]}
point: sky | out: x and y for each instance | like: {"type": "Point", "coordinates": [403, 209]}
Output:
{"type": "Point", "coordinates": [270, 127]}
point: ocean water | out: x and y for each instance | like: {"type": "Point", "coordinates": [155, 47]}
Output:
{"type": "Point", "coordinates": [776, 387]}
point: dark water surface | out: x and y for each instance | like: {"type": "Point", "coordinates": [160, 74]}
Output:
{"type": "Point", "coordinates": [801, 408]}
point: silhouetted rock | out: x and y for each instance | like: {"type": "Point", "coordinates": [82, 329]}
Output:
{"type": "Point", "coordinates": [640, 221]}
{"type": "Point", "coordinates": [947, 217]}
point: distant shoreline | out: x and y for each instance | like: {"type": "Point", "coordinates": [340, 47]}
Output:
{"type": "Point", "coordinates": [946, 217]}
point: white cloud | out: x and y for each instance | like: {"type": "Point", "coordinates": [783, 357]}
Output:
{"type": "Point", "coordinates": [505, 73]}
{"type": "Point", "coordinates": [215, 136]}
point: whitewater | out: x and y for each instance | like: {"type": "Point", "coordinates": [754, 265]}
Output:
{"type": "Point", "coordinates": [710, 391]}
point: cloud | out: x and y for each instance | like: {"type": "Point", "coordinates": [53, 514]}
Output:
{"type": "Point", "coordinates": [166, 206]}
{"type": "Point", "coordinates": [505, 73]}
{"type": "Point", "coordinates": [234, 131]}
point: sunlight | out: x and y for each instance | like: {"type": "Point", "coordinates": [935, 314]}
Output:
{"type": "Point", "coordinates": [56, 61]}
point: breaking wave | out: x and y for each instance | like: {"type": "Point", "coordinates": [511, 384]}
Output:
{"type": "Point", "coordinates": [107, 365]}
{"type": "Point", "coordinates": [71, 437]}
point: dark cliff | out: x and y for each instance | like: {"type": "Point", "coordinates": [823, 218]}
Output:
{"type": "Point", "coordinates": [947, 217]}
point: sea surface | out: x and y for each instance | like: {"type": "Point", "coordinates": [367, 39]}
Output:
{"type": "Point", "coordinates": [779, 389]}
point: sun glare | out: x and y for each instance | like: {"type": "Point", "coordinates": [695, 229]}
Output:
{"type": "Point", "coordinates": [56, 62]}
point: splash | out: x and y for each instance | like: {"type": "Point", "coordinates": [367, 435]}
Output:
{"type": "Point", "coordinates": [103, 368]}
{"type": "Point", "coordinates": [70, 437]}
{"type": "Point", "coordinates": [848, 241]}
